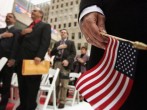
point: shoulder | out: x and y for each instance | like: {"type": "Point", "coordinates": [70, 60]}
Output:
{"type": "Point", "coordinates": [70, 41]}
{"type": "Point", "coordinates": [45, 24]}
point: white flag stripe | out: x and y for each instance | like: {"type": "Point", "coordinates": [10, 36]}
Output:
{"type": "Point", "coordinates": [102, 73]}
{"type": "Point", "coordinates": [113, 79]}
{"type": "Point", "coordinates": [105, 86]}
{"type": "Point", "coordinates": [110, 93]}
{"type": "Point", "coordinates": [119, 95]}
{"type": "Point", "coordinates": [103, 90]}
{"type": "Point", "coordinates": [97, 69]}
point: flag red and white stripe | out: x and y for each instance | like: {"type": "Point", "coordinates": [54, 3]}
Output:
{"type": "Point", "coordinates": [104, 87]}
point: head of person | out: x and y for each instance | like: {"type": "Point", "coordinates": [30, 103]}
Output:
{"type": "Point", "coordinates": [37, 14]}
{"type": "Point", "coordinates": [83, 50]}
{"type": "Point", "coordinates": [10, 19]}
{"type": "Point", "coordinates": [64, 34]}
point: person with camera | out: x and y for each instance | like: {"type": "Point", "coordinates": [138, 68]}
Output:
{"type": "Point", "coordinates": [64, 51]}
{"type": "Point", "coordinates": [80, 63]}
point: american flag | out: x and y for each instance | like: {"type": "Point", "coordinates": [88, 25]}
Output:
{"type": "Point", "coordinates": [107, 85]}
{"type": "Point", "coordinates": [19, 9]}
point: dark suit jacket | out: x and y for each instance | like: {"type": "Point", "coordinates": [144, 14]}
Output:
{"type": "Point", "coordinates": [81, 67]}
{"type": "Point", "coordinates": [9, 46]}
{"type": "Point", "coordinates": [68, 54]}
{"type": "Point", "coordinates": [36, 43]}
{"type": "Point", "coordinates": [126, 19]}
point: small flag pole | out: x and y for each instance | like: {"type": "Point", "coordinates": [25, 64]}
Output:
{"type": "Point", "coordinates": [136, 44]}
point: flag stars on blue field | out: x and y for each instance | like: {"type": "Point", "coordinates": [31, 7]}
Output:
{"type": "Point", "coordinates": [126, 59]}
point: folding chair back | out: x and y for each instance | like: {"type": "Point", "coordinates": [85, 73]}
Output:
{"type": "Point", "coordinates": [74, 76]}
{"type": "Point", "coordinates": [3, 61]}
{"type": "Point", "coordinates": [53, 73]}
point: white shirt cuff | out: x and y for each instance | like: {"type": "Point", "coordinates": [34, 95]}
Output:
{"type": "Point", "coordinates": [90, 9]}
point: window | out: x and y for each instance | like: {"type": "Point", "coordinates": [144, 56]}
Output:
{"type": "Point", "coordinates": [79, 46]}
{"type": "Point", "coordinates": [64, 25]}
{"type": "Point", "coordinates": [52, 7]}
{"type": "Point", "coordinates": [69, 24]}
{"type": "Point", "coordinates": [51, 20]}
{"type": "Point", "coordinates": [59, 26]}
{"type": "Point", "coordinates": [71, 3]}
{"type": "Point", "coordinates": [61, 5]}
{"type": "Point", "coordinates": [54, 26]}
{"type": "Point", "coordinates": [75, 23]}
{"type": "Point", "coordinates": [55, 19]}
{"type": "Point", "coordinates": [57, 6]}
{"type": "Point", "coordinates": [86, 45]}
{"type": "Point", "coordinates": [73, 35]}
{"type": "Point", "coordinates": [76, 15]}
{"type": "Point", "coordinates": [80, 35]}
{"type": "Point", "coordinates": [66, 4]}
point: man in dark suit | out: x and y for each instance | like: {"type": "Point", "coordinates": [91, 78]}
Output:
{"type": "Point", "coordinates": [8, 48]}
{"type": "Point", "coordinates": [64, 51]}
{"type": "Point", "coordinates": [34, 44]}
{"type": "Point", "coordinates": [124, 18]}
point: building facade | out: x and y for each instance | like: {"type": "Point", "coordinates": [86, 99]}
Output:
{"type": "Point", "coordinates": [64, 14]}
{"type": "Point", "coordinates": [44, 7]}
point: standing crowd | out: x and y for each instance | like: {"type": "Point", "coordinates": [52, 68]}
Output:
{"type": "Point", "coordinates": [33, 43]}
{"type": "Point", "coordinates": [125, 18]}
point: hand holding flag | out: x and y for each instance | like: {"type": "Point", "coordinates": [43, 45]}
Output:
{"type": "Point", "coordinates": [107, 85]}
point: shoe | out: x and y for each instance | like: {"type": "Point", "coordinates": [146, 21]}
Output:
{"type": "Point", "coordinates": [61, 106]}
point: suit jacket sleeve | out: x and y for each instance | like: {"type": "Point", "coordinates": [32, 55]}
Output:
{"type": "Point", "coordinates": [54, 50]}
{"type": "Point", "coordinates": [45, 41]}
{"type": "Point", "coordinates": [72, 55]}
{"type": "Point", "coordinates": [15, 44]}
{"type": "Point", "coordinates": [87, 3]}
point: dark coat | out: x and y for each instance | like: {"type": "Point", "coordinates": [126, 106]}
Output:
{"type": "Point", "coordinates": [9, 46]}
{"type": "Point", "coordinates": [68, 54]}
{"type": "Point", "coordinates": [81, 67]}
{"type": "Point", "coordinates": [126, 19]}
{"type": "Point", "coordinates": [36, 43]}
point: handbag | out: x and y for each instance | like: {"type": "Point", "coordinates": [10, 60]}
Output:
{"type": "Point", "coordinates": [30, 68]}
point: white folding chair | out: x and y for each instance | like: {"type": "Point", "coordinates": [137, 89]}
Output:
{"type": "Point", "coordinates": [14, 98]}
{"type": "Point", "coordinates": [3, 61]}
{"type": "Point", "coordinates": [74, 76]}
{"type": "Point", "coordinates": [49, 88]}
{"type": "Point", "coordinates": [14, 88]}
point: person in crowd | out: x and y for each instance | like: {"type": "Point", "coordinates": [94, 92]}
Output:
{"type": "Point", "coordinates": [96, 16]}
{"type": "Point", "coordinates": [64, 51]}
{"type": "Point", "coordinates": [34, 43]}
{"type": "Point", "coordinates": [80, 63]}
{"type": "Point", "coordinates": [49, 58]}
{"type": "Point", "coordinates": [8, 48]}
